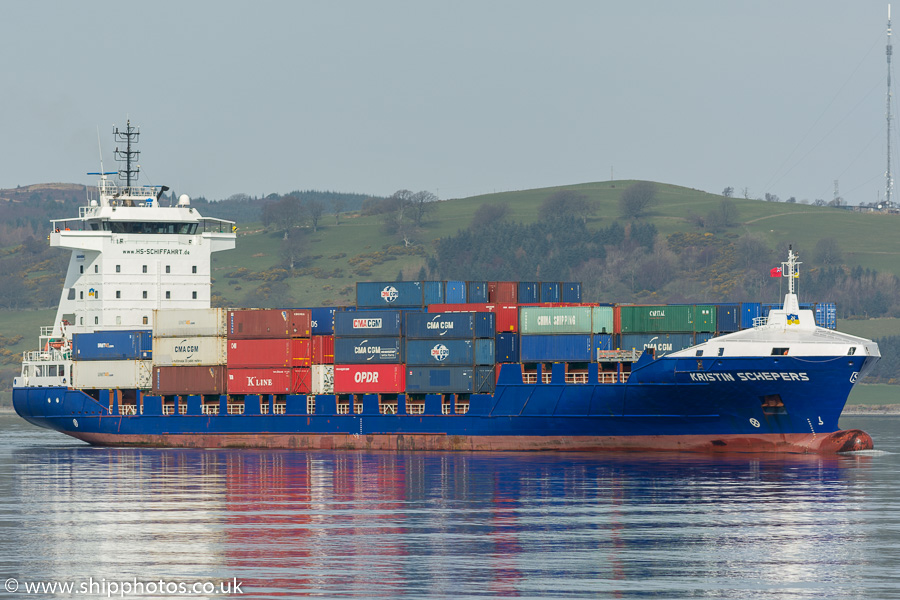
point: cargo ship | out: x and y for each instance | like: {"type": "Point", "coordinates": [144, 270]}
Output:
{"type": "Point", "coordinates": [138, 357]}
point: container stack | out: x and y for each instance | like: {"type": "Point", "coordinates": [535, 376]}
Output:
{"type": "Point", "coordinates": [269, 351]}
{"type": "Point", "coordinates": [556, 334]}
{"type": "Point", "coordinates": [368, 352]}
{"type": "Point", "coordinates": [322, 367]}
{"type": "Point", "coordinates": [450, 352]}
{"type": "Point", "coordinates": [190, 351]}
{"type": "Point", "coordinates": [112, 359]}
{"type": "Point", "coordinates": [664, 328]}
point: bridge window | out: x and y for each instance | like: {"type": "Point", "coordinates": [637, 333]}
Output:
{"type": "Point", "coordinates": [153, 228]}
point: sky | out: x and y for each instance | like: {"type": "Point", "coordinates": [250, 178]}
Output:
{"type": "Point", "coordinates": [458, 98]}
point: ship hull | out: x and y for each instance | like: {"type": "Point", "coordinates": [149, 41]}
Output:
{"type": "Point", "coordinates": [667, 404]}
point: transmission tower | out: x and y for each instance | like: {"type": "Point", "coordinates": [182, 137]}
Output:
{"type": "Point", "coordinates": [129, 156]}
{"type": "Point", "coordinates": [889, 181]}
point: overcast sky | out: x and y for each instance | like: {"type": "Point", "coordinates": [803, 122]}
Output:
{"type": "Point", "coordinates": [458, 98]}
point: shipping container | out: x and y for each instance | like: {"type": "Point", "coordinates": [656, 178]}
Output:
{"type": "Point", "coordinates": [550, 291]}
{"type": "Point", "coordinates": [450, 380]}
{"type": "Point", "coordinates": [554, 320]}
{"type": "Point", "coordinates": [728, 317]}
{"type": "Point", "coordinates": [321, 320]}
{"type": "Point", "coordinates": [462, 325]}
{"type": "Point", "coordinates": [112, 374]}
{"type": "Point", "coordinates": [263, 381]}
{"type": "Point", "coordinates": [502, 292]}
{"type": "Point", "coordinates": [322, 349]}
{"type": "Point", "coordinates": [369, 322]}
{"type": "Point", "coordinates": [749, 312]}
{"type": "Point", "coordinates": [394, 294]}
{"type": "Point", "coordinates": [450, 352]}
{"type": "Point", "coordinates": [667, 318]}
{"type": "Point", "coordinates": [202, 350]}
{"type": "Point", "coordinates": [602, 319]}
{"type": "Point", "coordinates": [705, 318]}
{"type": "Point", "coordinates": [112, 345]}
{"type": "Point", "coordinates": [555, 348]}
{"type": "Point", "coordinates": [190, 380]}
{"type": "Point", "coordinates": [699, 338]}
{"type": "Point", "coordinates": [369, 379]}
{"type": "Point", "coordinates": [190, 322]}
{"type": "Point", "coordinates": [529, 292]}
{"type": "Point", "coordinates": [349, 351]}
{"type": "Point", "coordinates": [321, 379]}
{"type": "Point", "coordinates": [433, 291]}
{"type": "Point", "coordinates": [477, 292]}
{"type": "Point", "coordinates": [571, 291]}
{"type": "Point", "coordinates": [604, 342]}
{"type": "Point", "coordinates": [826, 315]}
{"type": "Point", "coordinates": [455, 292]}
{"type": "Point", "coordinates": [259, 353]}
{"type": "Point", "coordinates": [506, 317]}
{"type": "Point", "coordinates": [301, 380]}
{"type": "Point", "coordinates": [506, 348]}
{"type": "Point", "coordinates": [660, 343]}
{"type": "Point", "coordinates": [268, 323]}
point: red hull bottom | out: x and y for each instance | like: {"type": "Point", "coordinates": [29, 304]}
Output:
{"type": "Point", "coordinates": [831, 443]}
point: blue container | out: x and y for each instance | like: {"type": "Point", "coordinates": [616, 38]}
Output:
{"type": "Point", "coordinates": [555, 348]}
{"type": "Point", "coordinates": [550, 291]}
{"type": "Point", "coordinates": [766, 308]}
{"type": "Point", "coordinates": [728, 317]}
{"type": "Point", "coordinates": [660, 343]}
{"type": "Point", "coordinates": [571, 291]}
{"type": "Point", "coordinates": [450, 352]}
{"type": "Point", "coordinates": [450, 380]}
{"type": "Point", "coordinates": [322, 320]}
{"type": "Point", "coordinates": [113, 345]}
{"type": "Point", "coordinates": [465, 325]}
{"type": "Point", "coordinates": [353, 351]}
{"type": "Point", "coordinates": [390, 294]}
{"type": "Point", "coordinates": [826, 315]}
{"type": "Point", "coordinates": [434, 292]}
{"type": "Point", "coordinates": [699, 338]}
{"type": "Point", "coordinates": [749, 311]}
{"type": "Point", "coordinates": [507, 347]}
{"type": "Point", "coordinates": [477, 292]}
{"type": "Point", "coordinates": [455, 292]}
{"type": "Point", "coordinates": [368, 323]}
{"type": "Point", "coordinates": [605, 341]}
{"type": "Point", "coordinates": [529, 292]}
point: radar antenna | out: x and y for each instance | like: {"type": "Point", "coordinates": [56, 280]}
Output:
{"type": "Point", "coordinates": [889, 182]}
{"type": "Point", "coordinates": [128, 156]}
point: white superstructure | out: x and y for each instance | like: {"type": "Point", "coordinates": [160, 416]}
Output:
{"type": "Point", "coordinates": [130, 256]}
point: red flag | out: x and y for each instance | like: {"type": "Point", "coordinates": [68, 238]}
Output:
{"type": "Point", "coordinates": [775, 272]}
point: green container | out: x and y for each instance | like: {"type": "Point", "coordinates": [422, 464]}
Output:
{"type": "Point", "coordinates": [657, 318]}
{"type": "Point", "coordinates": [602, 318]}
{"type": "Point", "coordinates": [704, 318]}
{"type": "Point", "coordinates": [553, 320]}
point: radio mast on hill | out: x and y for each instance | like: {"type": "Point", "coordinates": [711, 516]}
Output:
{"type": "Point", "coordinates": [889, 182]}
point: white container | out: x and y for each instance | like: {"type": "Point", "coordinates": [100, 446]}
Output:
{"type": "Point", "coordinates": [189, 322]}
{"type": "Point", "coordinates": [171, 351]}
{"type": "Point", "coordinates": [112, 374]}
{"type": "Point", "coordinates": [322, 379]}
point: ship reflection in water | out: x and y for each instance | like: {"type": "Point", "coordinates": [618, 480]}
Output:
{"type": "Point", "coordinates": [453, 525]}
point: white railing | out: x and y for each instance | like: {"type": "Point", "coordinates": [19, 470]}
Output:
{"type": "Point", "coordinates": [279, 409]}
{"type": "Point", "coordinates": [415, 408]}
{"type": "Point", "coordinates": [462, 408]}
{"type": "Point", "coordinates": [209, 409]}
{"type": "Point", "coordinates": [310, 405]}
{"type": "Point", "coordinates": [760, 321]}
{"type": "Point", "coordinates": [388, 408]}
{"type": "Point", "coordinates": [236, 409]}
{"type": "Point", "coordinates": [127, 409]}
{"type": "Point", "coordinates": [343, 408]}
{"type": "Point", "coordinates": [576, 377]}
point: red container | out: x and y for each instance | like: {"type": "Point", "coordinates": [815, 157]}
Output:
{"type": "Point", "coordinates": [322, 349]}
{"type": "Point", "coordinates": [369, 379]}
{"type": "Point", "coordinates": [171, 381]}
{"type": "Point", "coordinates": [300, 381]}
{"type": "Point", "coordinates": [301, 352]}
{"type": "Point", "coordinates": [244, 354]}
{"type": "Point", "coordinates": [268, 323]}
{"type": "Point", "coordinates": [260, 381]}
{"type": "Point", "coordinates": [506, 319]}
{"type": "Point", "coordinates": [617, 319]}
{"type": "Point", "coordinates": [503, 292]}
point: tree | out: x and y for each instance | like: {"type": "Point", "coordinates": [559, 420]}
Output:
{"type": "Point", "coordinates": [337, 207]}
{"type": "Point", "coordinates": [637, 199]}
{"type": "Point", "coordinates": [487, 215]}
{"type": "Point", "coordinates": [772, 198]}
{"type": "Point", "coordinates": [314, 210]}
{"type": "Point", "coordinates": [422, 203]}
{"type": "Point", "coordinates": [724, 215]}
{"type": "Point", "coordinates": [828, 252]}
{"type": "Point", "coordinates": [292, 247]}
{"type": "Point", "coordinates": [284, 214]}
{"type": "Point", "coordinates": [728, 192]}
{"type": "Point", "coordinates": [791, 200]}
{"type": "Point", "coordinates": [567, 203]}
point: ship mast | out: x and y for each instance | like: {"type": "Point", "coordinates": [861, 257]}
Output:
{"type": "Point", "coordinates": [889, 182]}
{"type": "Point", "coordinates": [128, 156]}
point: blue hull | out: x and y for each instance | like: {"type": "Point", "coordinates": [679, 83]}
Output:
{"type": "Point", "coordinates": [768, 403]}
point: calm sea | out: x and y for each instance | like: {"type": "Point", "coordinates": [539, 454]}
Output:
{"type": "Point", "coordinates": [282, 524]}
